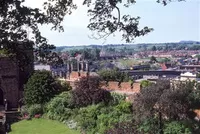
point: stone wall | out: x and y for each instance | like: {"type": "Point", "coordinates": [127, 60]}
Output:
{"type": "Point", "coordinates": [9, 81]}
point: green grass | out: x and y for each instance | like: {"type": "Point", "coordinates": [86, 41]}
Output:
{"type": "Point", "coordinates": [40, 126]}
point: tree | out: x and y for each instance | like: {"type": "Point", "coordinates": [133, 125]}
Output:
{"type": "Point", "coordinates": [153, 59]}
{"type": "Point", "coordinates": [174, 102]}
{"type": "Point", "coordinates": [40, 88]}
{"type": "Point", "coordinates": [19, 22]}
{"type": "Point", "coordinates": [87, 91]}
{"type": "Point", "coordinates": [113, 75]}
{"type": "Point", "coordinates": [154, 48]}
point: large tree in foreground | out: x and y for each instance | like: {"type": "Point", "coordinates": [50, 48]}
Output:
{"type": "Point", "coordinates": [18, 21]}
{"type": "Point", "coordinates": [19, 24]}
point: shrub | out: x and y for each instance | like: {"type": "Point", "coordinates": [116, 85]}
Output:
{"type": "Point", "coordinates": [88, 92]}
{"type": "Point", "coordinates": [145, 83]}
{"type": "Point", "coordinates": [35, 109]}
{"type": "Point", "coordinates": [24, 110]}
{"type": "Point", "coordinates": [117, 98]}
{"type": "Point", "coordinates": [124, 107]}
{"type": "Point", "coordinates": [40, 88]}
{"type": "Point", "coordinates": [123, 128]}
{"type": "Point", "coordinates": [63, 86]}
{"type": "Point", "coordinates": [60, 107]}
{"type": "Point", "coordinates": [99, 118]}
{"type": "Point", "coordinates": [149, 126]}
{"type": "Point", "coordinates": [87, 117]}
{"type": "Point", "coordinates": [176, 127]}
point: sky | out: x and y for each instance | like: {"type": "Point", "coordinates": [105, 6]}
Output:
{"type": "Point", "coordinates": [172, 23]}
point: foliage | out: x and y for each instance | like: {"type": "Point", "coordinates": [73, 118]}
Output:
{"type": "Point", "coordinates": [145, 83]}
{"type": "Point", "coordinates": [117, 98]}
{"type": "Point", "coordinates": [35, 109]}
{"type": "Point", "coordinates": [148, 126]}
{"type": "Point", "coordinates": [177, 127]}
{"type": "Point", "coordinates": [154, 48]}
{"type": "Point", "coordinates": [87, 118]}
{"type": "Point", "coordinates": [40, 88]}
{"type": "Point", "coordinates": [64, 86]}
{"type": "Point", "coordinates": [124, 107]}
{"type": "Point", "coordinates": [17, 21]}
{"type": "Point", "coordinates": [113, 75]}
{"type": "Point", "coordinates": [123, 128]}
{"type": "Point", "coordinates": [90, 119]}
{"type": "Point", "coordinates": [60, 107]}
{"type": "Point", "coordinates": [21, 23]}
{"type": "Point", "coordinates": [87, 53]}
{"type": "Point", "coordinates": [99, 118]}
{"type": "Point", "coordinates": [87, 91]}
{"type": "Point", "coordinates": [24, 110]}
{"type": "Point", "coordinates": [174, 102]}
{"type": "Point", "coordinates": [153, 59]}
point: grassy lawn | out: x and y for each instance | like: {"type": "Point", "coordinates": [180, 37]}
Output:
{"type": "Point", "coordinates": [40, 126]}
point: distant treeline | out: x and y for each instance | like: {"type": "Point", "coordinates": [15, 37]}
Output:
{"type": "Point", "coordinates": [191, 45]}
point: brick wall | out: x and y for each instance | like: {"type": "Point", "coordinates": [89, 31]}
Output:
{"type": "Point", "coordinates": [112, 85]}
{"type": "Point", "coordinates": [124, 86]}
{"type": "Point", "coordinates": [74, 75]}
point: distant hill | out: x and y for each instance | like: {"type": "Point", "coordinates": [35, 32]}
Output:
{"type": "Point", "coordinates": [119, 46]}
{"type": "Point", "coordinates": [189, 42]}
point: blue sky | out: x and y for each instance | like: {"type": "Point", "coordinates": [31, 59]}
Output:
{"type": "Point", "coordinates": [172, 23]}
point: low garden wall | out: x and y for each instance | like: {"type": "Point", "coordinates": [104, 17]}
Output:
{"type": "Point", "coordinates": [123, 86]}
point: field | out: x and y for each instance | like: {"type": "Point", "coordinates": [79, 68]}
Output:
{"type": "Point", "coordinates": [40, 126]}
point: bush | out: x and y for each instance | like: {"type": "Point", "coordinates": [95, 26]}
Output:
{"type": "Point", "coordinates": [24, 110]}
{"type": "Point", "coordinates": [145, 83]}
{"type": "Point", "coordinates": [117, 98]}
{"type": "Point", "coordinates": [176, 127]}
{"type": "Point", "coordinates": [149, 126]}
{"type": "Point", "coordinates": [87, 118]}
{"type": "Point", "coordinates": [40, 88]}
{"type": "Point", "coordinates": [88, 92]}
{"type": "Point", "coordinates": [63, 86]}
{"type": "Point", "coordinates": [60, 107]}
{"type": "Point", "coordinates": [123, 128]}
{"type": "Point", "coordinates": [99, 118]}
{"type": "Point", "coordinates": [35, 109]}
{"type": "Point", "coordinates": [124, 107]}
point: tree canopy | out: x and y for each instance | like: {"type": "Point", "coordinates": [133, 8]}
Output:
{"type": "Point", "coordinates": [16, 18]}
{"type": "Point", "coordinates": [20, 23]}
{"type": "Point", "coordinates": [40, 88]}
